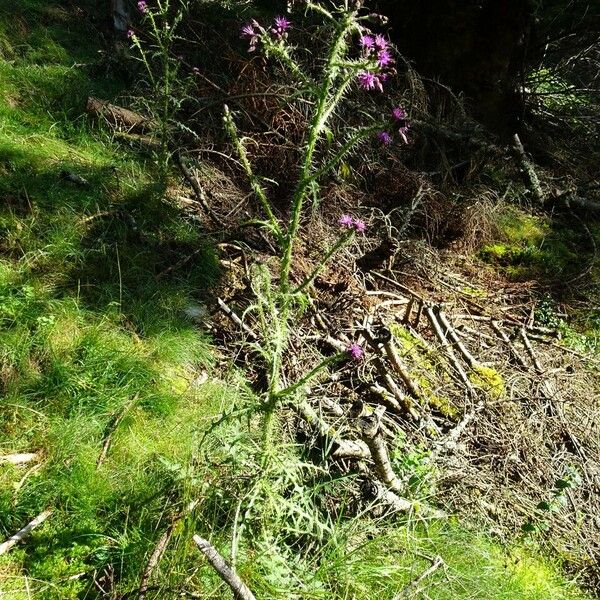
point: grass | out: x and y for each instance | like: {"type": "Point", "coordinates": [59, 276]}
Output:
{"type": "Point", "coordinates": [93, 330]}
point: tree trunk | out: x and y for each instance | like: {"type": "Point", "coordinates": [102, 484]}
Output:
{"type": "Point", "coordinates": [475, 47]}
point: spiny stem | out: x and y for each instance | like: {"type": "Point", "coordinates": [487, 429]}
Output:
{"type": "Point", "coordinates": [317, 125]}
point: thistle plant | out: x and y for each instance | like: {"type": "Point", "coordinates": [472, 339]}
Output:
{"type": "Point", "coordinates": [355, 59]}
{"type": "Point", "coordinates": [159, 20]}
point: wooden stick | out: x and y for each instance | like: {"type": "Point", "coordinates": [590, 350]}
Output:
{"type": "Point", "coordinates": [18, 459]}
{"type": "Point", "coordinates": [530, 351]}
{"type": "Point", "coordinates": [511, 346]}
{"type": "Point", "coordinates": [446, 345]}
{"type": "Point", "coordinates": [226, 573]}
{"type": "Point", "coordinates": [160, 548]}
{"type": "Point", "coordinates": [23, 533]}
{"type": "Point", "coordinates": [456, 340]}
{"type": "Point", "coordinates": [343, 448]}
{"type": "Point", "coordinates": [371, 435]}
{"type": "Point", "coordinates": [409, 590]}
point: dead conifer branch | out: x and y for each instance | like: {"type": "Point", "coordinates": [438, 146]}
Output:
{"type": "Point", "coordinates": [448, 348]}
{"type": "Point", "coordinates": [370, 432]}
{"type": "Point", "coordinates": [502, 335]}
{"type": "Point", "coordinates": [225, 572]}
{"type": "Point", "coordinates": [23, 533]}
{"type": "Point", "coordinates": [455, 339]}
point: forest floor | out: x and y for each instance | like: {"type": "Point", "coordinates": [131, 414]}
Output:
{"type": "Point", "coordinates": [115, 368]}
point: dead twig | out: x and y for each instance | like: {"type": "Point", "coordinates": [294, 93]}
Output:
{"type": "Point", "coordinates": [448, 348]}
{"type": "Point", "coordinates": [411, 588]}
{"type": "Point", "coordinates": [23, 533]}
{"type": "Point", "coordinates": [160, 548]}
{"type": "Point", "coordinates": [225, 572]}
{"type": "Point", "coordinates": [199, 191]}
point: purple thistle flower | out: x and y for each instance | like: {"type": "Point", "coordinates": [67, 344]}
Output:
{"type": "Point", "coordinates": [403, 131]}
{"type": "Point", "coordinates": [130, 33]}
{"type": "Point", "coordinates": [356, 352]}
{"type": "Point", "coordinates": [280, 28]}
{"type": "Point", "coordinates": [385, 138]}
{"type": "Point", "coordinates": [369, 81]}
{"type": "Point", "coordinates": [346, 221]}
{"type": "Point", "coordinates": [384, 58]}
{"type": "Point", "coordinates": [399, 114]}
{"type": "Point", "coordinates": [142, 6]}
{"type": "Point", "coordinates": [282, 24]}
{"type": "Point", "coordinates": [359, 226]}
{"type": "Point", "coordinates": [380, 42]}
{"type": "Point", "coordinates": [367, 42]}
{"type": "Point", "coordinates": [247, 31]}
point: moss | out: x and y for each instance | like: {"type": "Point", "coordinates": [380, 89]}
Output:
{"type": "Point", "coordinates": [488, 379]}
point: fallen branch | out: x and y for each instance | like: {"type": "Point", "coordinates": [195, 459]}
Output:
{"type": "Point", "coordinates": [342, 448]}
{"type": "Point", "coordinates": [448, 348]}
{"type": "Point", "coordinates": [529, 170]}
{"type": "Point", "coordinates": [199, 191]}
{"type": "Point", "coordinates": [117, 116]}
{"type": "Point", "coordinates": [18, 459]}
{"type": "Point", "coordinates": [225, 572]}
{"type": "Point", "coordinates": [409, 590]}
{"type": "Point", "coordinates": [160, 548]}
{"type": "Point", "coordinates": [23, 533]}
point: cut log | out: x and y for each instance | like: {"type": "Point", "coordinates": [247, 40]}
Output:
{"type": "Point", "coordinates": [117, 116]}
